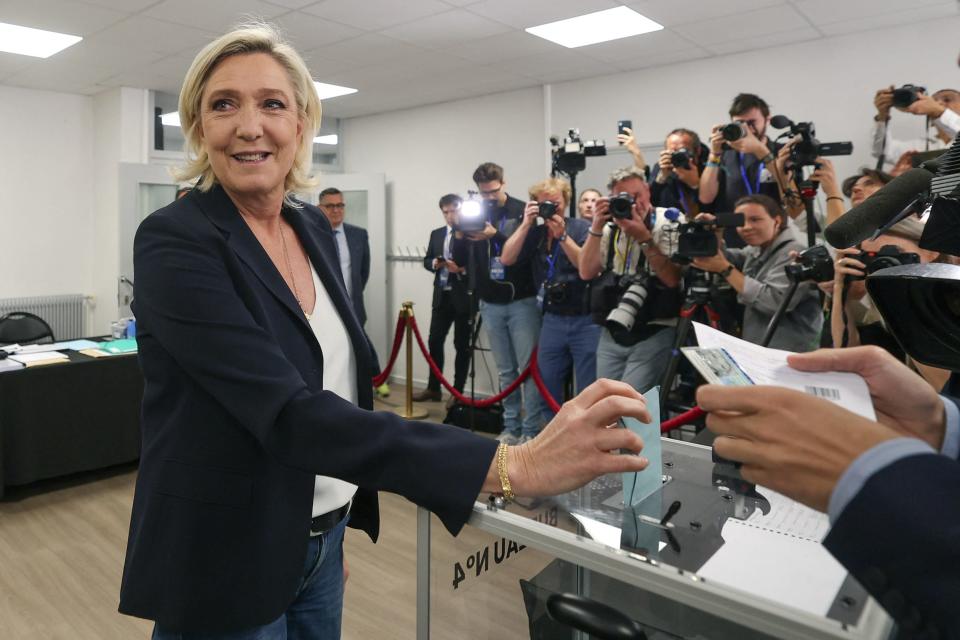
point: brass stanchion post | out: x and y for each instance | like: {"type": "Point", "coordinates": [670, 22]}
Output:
{"type": "Point", "coordinates": [410, 411]}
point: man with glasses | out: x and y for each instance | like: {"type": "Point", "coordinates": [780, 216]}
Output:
{"type": "Point", "coordinates": [353, 249]}
{"type": "Point", "coordinates": [741, 167]}
{"type": "Point", "coordinates": [508, 304]}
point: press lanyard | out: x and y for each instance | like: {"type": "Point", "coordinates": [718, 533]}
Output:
{"type": "Point", "coordinates": [496, 245]}
{"type": "Point", "coordinates": [626, 258]}
{"type": "Point", "coordinates": [683, 199]}
{"type": "Point", "coordinates": [552, 260]}
{"type": "Point", "coordinates": [746, 181]}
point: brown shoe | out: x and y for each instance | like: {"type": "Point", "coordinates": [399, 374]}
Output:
{"type": "Point", "coordinates": [427, 395]}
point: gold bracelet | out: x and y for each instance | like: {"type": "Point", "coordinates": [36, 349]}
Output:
{"type": "Point", "coordinates": [507, 490]}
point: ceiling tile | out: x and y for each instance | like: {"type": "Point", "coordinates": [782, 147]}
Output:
{"type": "Point", "coordinates": [144, 79]}
{"type": "Point", "coordinates": [127, 6]}
{"type": "Point", "coordinates": [566, 63]}
{"type": "Point", "coordinates": [373, 15]}
{"type": "Point", "coordinates": [743, 27]}
{"type": "Point", "coordinates": [63, 16]}
{"type": "Point", "coordinates": [306, 31]}
{"type": "Point", "coordinates": [461, 3]}
{"type": "Point", "coordinates": [140, 32]}
{"type": "Point", "coordinates": [647, 44]}
{"type": "Point", "coordinates": [827, 11]}
{"type": "Point", "coordinates": [58, 77]}
{"type": "Point", "coordinates": [94, 52]}
{"type": "Point", "coordinates": [370, 48]}
{"type": "Point", "coordinates": [426, 65]}
{"type": "Point", "coordinates": [660, 58]}
{"type": "Point", "coordinates": [218, 17]}
{"type": "Point", "coordinates": [292, 4]}
{"type": "Point", "coordinates": [446, 29]}
{"type": "Point", "coordinates": [514, 44]}
{"type": "Point", "coordinates": [880, 21]}
{"type": "Point", "coordinates": [531, 13]}
{"type": "Point", "coordinates": [765, 40]}
{"type": "Point", "coordinates": [673, 12]}
{"type": "Point", "coordinates": [11, 63]}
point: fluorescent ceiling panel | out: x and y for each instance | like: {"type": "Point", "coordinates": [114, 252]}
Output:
{"type": "Point", "coordinates": [600, 26]}
{"type": "Point", "coordinates": [33, 42]}
{"type": "Point", "coordinates": [330, 139]}
{"type": "Point", "coordinates": [326, 91]}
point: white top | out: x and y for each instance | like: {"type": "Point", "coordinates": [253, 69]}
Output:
{"type": "Point", "coordinates": [949, 123]}
{"type": "Point", "coordinates": [343, 250]}
{"type": "Point", "coordinates": [340, 377]}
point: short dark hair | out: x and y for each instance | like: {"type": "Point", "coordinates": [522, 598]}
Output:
{"type": "Point", "coordinates": [880, 176]}
{"type": "Point", "coordinates": [488, 172]}
{"type": "Point", "coordinates": [329, 191]}
{"type": "Point", "coordinates": [771, 206]}
{"type": "Point", "coordinates": [450, 198]}
{"type": "Point", "coordinates": [746, 101]}
{"type": "Point", "coordinates": [693, 136]}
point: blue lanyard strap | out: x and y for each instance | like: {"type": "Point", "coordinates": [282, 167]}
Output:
{"type": "Point", "coordinates": [496, 245]}
{"type": "Point", "coordinates": [552, 260]}
{"type": "Point", "coordinates": [746, 181]}
{"type": "Point", "coordinates": [683, 199]}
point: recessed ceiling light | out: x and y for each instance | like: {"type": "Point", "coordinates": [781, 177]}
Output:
{"type": "Point", "coordinates": [33, 42]}
{"type": "Point", "coordinates": [171, 119]}
{"type": "Point", "coordinates": [325, 91]}
{"type": "Point", "coordinates": [330, 139]}
{"type": "Point", "coordinates": [600, 26]}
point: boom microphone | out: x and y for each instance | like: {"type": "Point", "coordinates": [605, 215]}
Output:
{"type": "Point", "coordinates": [862, 221]}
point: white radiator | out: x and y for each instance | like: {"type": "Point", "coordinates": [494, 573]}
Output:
{"type": "Point", "coordinates": [66, 314]}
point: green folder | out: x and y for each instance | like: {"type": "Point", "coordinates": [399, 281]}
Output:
{"type": "Point", "coordinates": [119, 346]}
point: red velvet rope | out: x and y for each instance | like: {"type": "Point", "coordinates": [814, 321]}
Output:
{"type": "Point", "coordinates": [397, 341]}
{"type": "Point", "coordinates": [486, 402]}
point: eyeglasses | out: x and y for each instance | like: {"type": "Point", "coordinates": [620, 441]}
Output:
{"type": "Point", "coordinates": [338, 205]}
{"type": "Point", "coordinates": [491, 192]}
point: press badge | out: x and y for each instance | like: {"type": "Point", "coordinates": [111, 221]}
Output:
{"type": "Point", "coordinates": [497, 270]}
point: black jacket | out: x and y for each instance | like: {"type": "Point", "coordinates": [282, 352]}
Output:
{"type": "Point", "coordinates": [457, 282]}
{"type": "Point", "coordinates": [235, 424]}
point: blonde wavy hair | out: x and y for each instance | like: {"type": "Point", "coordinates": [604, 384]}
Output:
{"type": "Point", "coordinates": [249, 37]}
{"type": "Point", "coordinates": [552, 185]}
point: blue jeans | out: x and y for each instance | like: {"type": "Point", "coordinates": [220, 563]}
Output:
{"type": "Point", "coordinates": [642, 365]}
{"type": "Point", "coordinates": [565, 342]}
{"type": "Point", "coordinates": [513, 330]}
{"type": "Point", "coordinates": [316, 611]}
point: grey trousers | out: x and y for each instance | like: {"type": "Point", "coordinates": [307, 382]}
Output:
{"type": "Point", "coordinates": [642, 365]}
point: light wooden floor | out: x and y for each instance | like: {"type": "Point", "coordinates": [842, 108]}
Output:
{"type": "Point", "coordinates": [62, 545]}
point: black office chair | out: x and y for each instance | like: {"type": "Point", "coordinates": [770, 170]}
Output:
{"type": "Point", "coordinates": [22, 327]}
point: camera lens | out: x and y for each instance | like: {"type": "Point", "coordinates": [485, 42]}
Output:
{"type": "Point", "coordinates": [734, 131]}
{"type": "Point", "coordinates": [547, 209]}
{"type": "Point", "coordinates": [680, 159]}
{"type": "Point", "coordinates": [621, 205]}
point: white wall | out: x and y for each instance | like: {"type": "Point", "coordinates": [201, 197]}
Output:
{"type": "Point", "coordinates": [428, 151]}
{"type": "Point", "coordinates": [46, 178]}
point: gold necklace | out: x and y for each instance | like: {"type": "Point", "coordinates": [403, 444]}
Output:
{"type": "Point", "coordinates": [293, 280]}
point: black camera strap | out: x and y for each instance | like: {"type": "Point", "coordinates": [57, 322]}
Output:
{"type": "Point", "coordinates": [761, 264]}
{"type": "Point", "coordinates": [612, 249]}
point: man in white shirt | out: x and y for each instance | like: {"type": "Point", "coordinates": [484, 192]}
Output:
{"type": "Point", "coordinates": [942, 109]}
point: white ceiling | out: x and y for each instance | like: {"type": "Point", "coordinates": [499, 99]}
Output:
{"type": "Point", "coordinates": [404, 53]}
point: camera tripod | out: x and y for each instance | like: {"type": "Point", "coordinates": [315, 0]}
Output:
{"type": "Point", "coordinates": [697, 304]}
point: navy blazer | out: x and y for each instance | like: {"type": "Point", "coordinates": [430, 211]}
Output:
{"type": "Point", "coordinates": [900, 537]}
{"type": "Point", "coordinates": [236, 424]}
{"type": "Point", "coordinates": [458, 284]}
{"type": "Point", "coordinates": [359, 245]}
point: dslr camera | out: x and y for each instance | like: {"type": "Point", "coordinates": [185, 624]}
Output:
{"type": "Point", "coordinates": [681, 158]}
{"type": "Point", "coordinates": [806, 151]}
{"type": "Point", "coordinates": [813, 264]}
{"type": "Point", "coordinates": [734, 131]}
{"type": "Point", "coordinates": [888, 256]}
{"type": "Point", "coordinates": [906, 95]}
{"type": "Point", "coordinates": [547, 209]}
{"type": "Point", "coordinates": [624, 316]}
{"type": "Point", "coordinates": [621, 205]}
{"type": "Point", "coordinates": [698, 240]}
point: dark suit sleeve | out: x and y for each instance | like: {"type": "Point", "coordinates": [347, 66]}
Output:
{"type": "Point", "coordinates": [188, 301]}
{"type": "Point", "coordinates": [431, 253]}
{"type": "Point", "coordinates": [365, 262]}
{"type": "Point", "coordinates": [900, 537]}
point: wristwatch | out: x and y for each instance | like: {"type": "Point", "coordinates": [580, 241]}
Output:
{"type": "Point", "coordinates": [726, 272]}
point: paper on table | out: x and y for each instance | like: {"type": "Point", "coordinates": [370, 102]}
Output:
{"type": "Point", "coordinates": [638, 485]}
{"type": "Point", "coordinates": [790, 518]}
{"type": "Point", "coordinates": [769, 366]}
{"type": "Point", "coordinates": [10, 365]}
{"type": "Point", "coordinates": [781, 568]}
{"type": "Point", "coordinates": [39, 356]}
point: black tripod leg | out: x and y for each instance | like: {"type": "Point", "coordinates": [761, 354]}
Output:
{"type": "Point", "coordinates": [775, 320]}
{"type": "Point", "coordinates": [683, 329]}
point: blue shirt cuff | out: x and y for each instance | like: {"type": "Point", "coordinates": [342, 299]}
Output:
{"type": "Point", "coordinates": [868, 463]}
{"type": "Point", "coordinates": [951, 436]}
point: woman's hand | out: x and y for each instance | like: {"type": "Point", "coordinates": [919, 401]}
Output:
{"type": "Point", "coordinates": [556, 226]}
{"type": "Point", "coordinates": [581, 442]}
{"type": "Point", "coordinates": [530, 213]}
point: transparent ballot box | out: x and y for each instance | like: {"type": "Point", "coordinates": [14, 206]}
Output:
{"type": "Point", "coordinates": [735, 561]}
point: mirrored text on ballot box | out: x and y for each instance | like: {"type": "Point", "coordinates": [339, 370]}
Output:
{"type": "Point", "coordinates": [734, 561]}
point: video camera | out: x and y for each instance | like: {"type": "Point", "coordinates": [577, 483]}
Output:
{"type": "Point", "coordinates": [888, 256]}
{"type": "Point", "coordinates": [571, 156]}
{"type": "Point", "coordinates": [474, 213]}
{"type": "Point", "coordinates": [808, 149]}
{"type": "Point", "coordinates": [812, 264]}
{"type": "Point", "coordinates": [698, 240]}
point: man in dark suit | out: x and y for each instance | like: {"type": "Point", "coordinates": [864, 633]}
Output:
{"type": "Point", "coordinates": [353, 249]}
{"type": "Point", "coordinates": [451, 305]}
{"type": "Point", "coordinates": [891, 488]}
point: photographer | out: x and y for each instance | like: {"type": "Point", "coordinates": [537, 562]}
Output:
{"type": "Point", "coordinates": [508, 306]}
{"type": "Point", "coordinates": [568, 336]}
{"type": "Point", "coordinates": [942, 111]}
{"type": "Point", "coordinates": [633, 240]}
{"type": "Point", "coordinates": [758, 274]}
{"type": "Point", "coordinates": [675, 180]}
{"type": "Point", "coordinates": [741, 157]}
{"type": "Point", "coordinates": [587, 202]}
{"type": "Point", "coordinates": [854, 320]}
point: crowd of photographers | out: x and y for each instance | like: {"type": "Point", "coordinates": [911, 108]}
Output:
{"type": "Point", "coordinates": [718, 231]}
